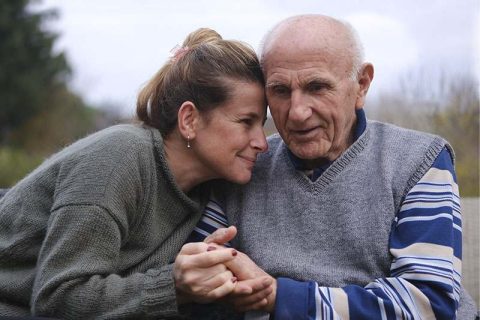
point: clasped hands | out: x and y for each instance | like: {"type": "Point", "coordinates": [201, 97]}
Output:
{"type": "Point", "coordinates": [206, 271]}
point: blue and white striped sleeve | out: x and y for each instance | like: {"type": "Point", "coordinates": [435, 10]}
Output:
{"type": "Point", "coordinates": [424, 282]}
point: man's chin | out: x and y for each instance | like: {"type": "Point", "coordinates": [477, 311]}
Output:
{"type": "Point", "coordinates": [309, 152]}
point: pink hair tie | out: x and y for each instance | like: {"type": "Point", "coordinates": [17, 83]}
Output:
{"type": "Point", "coordinates": [178, 52]}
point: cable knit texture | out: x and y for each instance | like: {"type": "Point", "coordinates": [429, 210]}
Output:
{"type": "Point", "coordinates": [93, 231]}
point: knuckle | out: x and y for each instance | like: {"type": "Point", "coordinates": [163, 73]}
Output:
{"type": "Point", "coordinates": [189, 279]}
{"type": "Point", "coordinates": [226, 276]}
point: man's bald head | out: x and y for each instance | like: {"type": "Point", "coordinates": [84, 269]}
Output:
{"type": "Point", "coordinates": [322, 33]}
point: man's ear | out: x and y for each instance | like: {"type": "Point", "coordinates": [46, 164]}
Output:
{"type": "Point", "coordinates": [187, 120]}
{"type": "Point", "coordinates": [365, 78]}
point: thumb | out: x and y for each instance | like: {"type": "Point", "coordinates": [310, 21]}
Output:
{"type": "Point", "coordinates": [222, 235]}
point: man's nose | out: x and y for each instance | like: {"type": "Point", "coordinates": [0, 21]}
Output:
{"type": "Point", "coordinates": [300, 108]}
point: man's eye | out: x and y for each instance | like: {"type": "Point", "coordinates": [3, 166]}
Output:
{"type": "Point", "coordinates": [315, 87]}
{"type": "Point", "coordinates": [280, 90]}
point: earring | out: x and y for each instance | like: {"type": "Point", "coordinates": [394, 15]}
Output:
{"type": "Point", "coordinates": [188, 141]}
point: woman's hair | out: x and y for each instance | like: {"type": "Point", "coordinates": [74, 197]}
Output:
{"type": "Point", "coordinates": [201, 71]}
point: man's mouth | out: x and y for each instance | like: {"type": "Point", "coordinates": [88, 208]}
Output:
{"type": "Point", "coordinates": [304, 133]}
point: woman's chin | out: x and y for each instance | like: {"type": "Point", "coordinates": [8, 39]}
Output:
{"type": "Point", "coordinates": [241, 178]}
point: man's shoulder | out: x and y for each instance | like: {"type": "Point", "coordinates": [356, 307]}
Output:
{"type": "Point", "coordinates": [394, 135]}
{"type": "Point", "coordinates": [379, 126]}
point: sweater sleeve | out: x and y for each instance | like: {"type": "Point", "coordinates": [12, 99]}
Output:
{"type": "Point", "coordinates": [424, 280]}
{"type": "Point", "coordinates": [76, 272]}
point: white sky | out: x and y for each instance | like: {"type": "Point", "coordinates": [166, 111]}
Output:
{"type": "Point", "coordinates": [115, 46]}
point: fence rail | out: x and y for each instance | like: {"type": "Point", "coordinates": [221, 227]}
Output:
{"type": "Point", "coordinates": [471, 247]}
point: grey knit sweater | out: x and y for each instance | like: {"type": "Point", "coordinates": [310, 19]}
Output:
{"type": "Point", "coordinates": [93, 231]}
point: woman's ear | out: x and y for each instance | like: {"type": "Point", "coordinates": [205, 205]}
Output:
{"type": "Point", "coordinates": [187, 120]}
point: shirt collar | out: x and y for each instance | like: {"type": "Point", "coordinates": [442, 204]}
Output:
{"type": "Point", "coordinates": [360, 127]}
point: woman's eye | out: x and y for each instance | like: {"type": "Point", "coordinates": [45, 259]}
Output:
{"type": "Point", "coordinates": [246, 121]}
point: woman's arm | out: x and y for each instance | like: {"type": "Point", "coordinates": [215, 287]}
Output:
{"type": "Point", "coordinates": [77, 271]}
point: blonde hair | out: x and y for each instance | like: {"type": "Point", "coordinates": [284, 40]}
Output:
{"type": "Point", "coordinates": [200, 73]}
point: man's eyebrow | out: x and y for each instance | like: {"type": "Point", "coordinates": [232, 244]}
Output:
{"type": "Point", "coordinates": [275, 83]}
{"type": "Point", "coordinates": [315, 78]}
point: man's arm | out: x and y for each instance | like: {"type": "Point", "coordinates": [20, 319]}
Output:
{"type": "Point", "coordinates": [424, 282]}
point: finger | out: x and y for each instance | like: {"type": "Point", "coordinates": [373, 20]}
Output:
{"type": "Point", "coordinates": [250, 286]}
{"type": "Point", "coordinates": [254, 298]}
{"type": "Point", "coordinates": [219, 279]}
{"type": "Point", "coordinates": [192, 277]}
{"type": "Point", "coordinates": [223, 290]}
{"type": "Point", "coordinates": [244, 268]}
{"type": "Point", "coordinates": [222, 235]}
{"type": "Point", "coordinates": [193, 248]}
{"type": "Point", "coordinates": [256, 306]}
{"type": "Point", "coordinates": [210, 258]}
{"type": "Point", "coordinates": [261, 283]}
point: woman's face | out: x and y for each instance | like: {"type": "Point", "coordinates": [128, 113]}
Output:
{"type": "Point", "coordinates": [231, 136]}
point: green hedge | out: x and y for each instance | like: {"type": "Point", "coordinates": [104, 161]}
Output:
{"type": "Point", "coordinates": [15, 164]}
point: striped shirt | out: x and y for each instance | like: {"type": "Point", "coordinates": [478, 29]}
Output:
{"type": "Point", "coordinates": [212, 218]}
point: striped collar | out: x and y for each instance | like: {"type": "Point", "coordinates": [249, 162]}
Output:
{"type": "Point", "coordinates": [360, 127]}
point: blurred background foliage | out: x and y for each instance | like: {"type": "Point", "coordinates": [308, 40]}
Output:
{"type": "Point", "coordinates": [39, 113]}
{"type": "Point", "coordinates": [448, 106]}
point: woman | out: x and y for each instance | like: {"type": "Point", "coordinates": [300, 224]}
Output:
{"type": "Point", "coordinates": [92, 232]}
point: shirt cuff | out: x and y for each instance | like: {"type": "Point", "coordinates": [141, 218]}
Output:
{"type": "Point", "coordinates": [294, 299]}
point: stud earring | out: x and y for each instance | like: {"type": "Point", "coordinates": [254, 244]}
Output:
{"type": "Point", "coordinates": [188, 141]}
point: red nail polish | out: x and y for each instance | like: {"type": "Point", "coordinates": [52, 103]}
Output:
{"type": "Point", "coordinates": [211, 248]}
{"type": "Point", "coordinates": [234, 252]}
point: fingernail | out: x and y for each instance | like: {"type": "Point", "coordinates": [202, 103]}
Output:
{"type": "Point", "coordinates": [234, 252]}
{"type": "Point", "coordinates": [234, 279]}
{"type": "Point", "coordinates": [210, 248]}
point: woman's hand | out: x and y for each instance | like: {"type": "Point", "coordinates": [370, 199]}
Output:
{"type": "Point", "coordinates": [261, 299]}
{"type": "Point", "coordinates": [263, 286]}
{"type": "Point", "coordinates": [200, 273]}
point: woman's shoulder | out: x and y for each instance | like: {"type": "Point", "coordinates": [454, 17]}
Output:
{"type": "Point", "coordinates": [111, 163]}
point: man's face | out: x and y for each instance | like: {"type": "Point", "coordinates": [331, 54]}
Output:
{"type": "Point", "coordinates": [312, 99]}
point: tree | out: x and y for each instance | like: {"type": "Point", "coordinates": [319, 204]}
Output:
{"type": "Point", "coordinates": [29, 69]}
{"type": "Point", "coordinates": [39, 114]}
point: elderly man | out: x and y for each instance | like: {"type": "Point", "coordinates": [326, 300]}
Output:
{"type": "Point", "coordinates": [355, 219]}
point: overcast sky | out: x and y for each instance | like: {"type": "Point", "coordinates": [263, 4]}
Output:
{"type": "Point", "coordinates": [115, 46]}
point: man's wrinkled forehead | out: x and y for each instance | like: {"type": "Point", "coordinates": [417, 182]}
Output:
{"type": "Point", "coordinates": [303, 31]}
{"type": "Point", "coordinates": [308, 40]}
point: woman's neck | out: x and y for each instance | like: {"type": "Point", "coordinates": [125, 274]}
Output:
{"type": "Point", "coordinates": [186, 169]}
